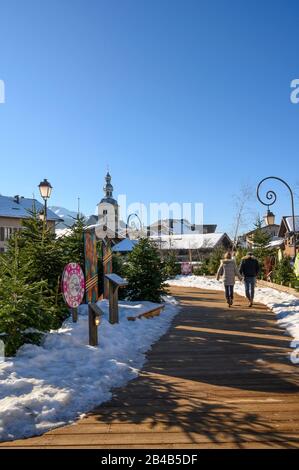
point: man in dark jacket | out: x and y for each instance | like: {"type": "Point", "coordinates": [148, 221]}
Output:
{"type": "Point", "coordinates": [249, 268]}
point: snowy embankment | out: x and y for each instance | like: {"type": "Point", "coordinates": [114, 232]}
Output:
{"type": "Point", "coordinates": [285, 306]}
{"type": "Point", "coordinates": [50, 385]}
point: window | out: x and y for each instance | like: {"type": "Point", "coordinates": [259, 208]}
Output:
{"type": "Point", "coordinates": [7, 232]}
{"type": "Point", "coordinates": [105, 212]}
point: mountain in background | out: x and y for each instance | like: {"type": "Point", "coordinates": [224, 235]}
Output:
{"type": "Point", "coordinates": [68, 216]}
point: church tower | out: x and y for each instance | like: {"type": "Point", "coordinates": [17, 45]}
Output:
{"type": "Point", "coordinates": [108, 209]}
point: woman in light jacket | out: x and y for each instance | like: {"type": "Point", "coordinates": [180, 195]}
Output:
{"type": "Point", "coordinates": [228, 269]}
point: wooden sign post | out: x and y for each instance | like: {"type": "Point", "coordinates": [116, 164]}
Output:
{"type": "Point", "coordinates": [91, 266]}
{"type": "Point", "coordinates": [115, 282]}
{"type": "Point", "coordinates": [107, 264]}
{"type": "Point", "coordinates": [73, 286]}
{"type": "Point", "coordinates": [94, 319]}
{"type": "Point", "coordinates": [74, 314]}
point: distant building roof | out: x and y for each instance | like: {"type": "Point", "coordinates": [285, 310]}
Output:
{"type": "Point", "coordinates": [19, 207]}
{"type": "Point", "coordinates": [179, 226]}
{"type": "Point", "coordinates": [191, 241]}
{"type": "Point", "coordinates": [125, 245]}
{"type": "Point", "coordinates": [287, 225]}
{"type": "Point", "coordinates": [92, 220]}
{"type": "Point", "coordinates": [109, 200]}
{"type": "Point", "coordinates": [264, 228]}
{"type": "Point", "coordinates": [276, 243]}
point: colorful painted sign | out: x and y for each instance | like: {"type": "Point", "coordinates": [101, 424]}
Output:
{"type": "Point", "coordinates": [107, 264]}
{"type": "Point", "coordinates": [91, 266]}
{"type": "Point", "coordinates": [73, 285]}
{"type": "Point", "coordinates": [296, 266]}
{"type": "Point", "coordinates": [186, 268]}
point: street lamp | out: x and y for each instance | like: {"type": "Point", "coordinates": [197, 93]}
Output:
{"type": "Point", "coordinates": [271, 197]}
{"type": "Point", "coordinates": [45, 190]}
{"type": "Point", "coordinates": [269, 217]}
{"type": "Point", "coordinates": [128, 220]}
{"type": "Point", "coordinates": [42, 215]}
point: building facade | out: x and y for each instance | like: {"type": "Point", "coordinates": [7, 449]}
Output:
{"type": "Point", "coordinates": [108, 210]}
{"type": "Point", "coordinates": [192, 247]}
{"type": "Point", "coordinates": [13, 210]}
{"type": "Point", "coordinates": [286, 233]}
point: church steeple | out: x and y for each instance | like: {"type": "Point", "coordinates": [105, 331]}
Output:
{"type": "Point", "coordinates": [108, 191]}
{"type": "Point", "coordinates": [108, 188]}
{"type": "Point", "coordinates": [108, 208]}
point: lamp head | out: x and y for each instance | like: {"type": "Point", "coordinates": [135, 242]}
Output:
{"type": "Point", "coordinates": [269, 218]}
{"type": "Point", "coordinates": [45, 189]}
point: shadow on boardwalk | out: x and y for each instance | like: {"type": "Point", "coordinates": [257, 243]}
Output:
{"type": "Point", "coordinates": [219, 375]}
{"type": "Point", "coordinates": [219, 378]}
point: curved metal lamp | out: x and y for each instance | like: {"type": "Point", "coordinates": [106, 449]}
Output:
{"type": "Point", "coordinates": [271, 196]}
{"type": "Point", "coordinates": [128, 219]}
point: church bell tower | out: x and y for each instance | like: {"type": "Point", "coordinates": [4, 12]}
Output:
{"type": "Point", "coordinates": [108, 210]}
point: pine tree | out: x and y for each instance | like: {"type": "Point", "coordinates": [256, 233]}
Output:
{"type": "Point", "coordinates": [214, 260]}
{"type": "Point", "coordinates": [171, 266]}
{"type": "Point", "coordinates": [27, 308]}
{"type": "Point", "coordinates": [145, 273]}
{"type": "Point", "coordinates": [118, 263]}
{"type": "Point", "coordinates": [241, 252]}
{"type": "Point", "coordinates": [31, 272]}
{"type": "Point", "coordinates": [37, 245]}
{"type": "Point", "coordinates": [284, 272]}
{"type": "Point", "coordinates": [202, 269]}
{"type": "Point", "coordinates": [72, 244]}
{"type": "Point", "coordinates": [260, 240]}
{"type": "Point", "coordinates": [260, 237]}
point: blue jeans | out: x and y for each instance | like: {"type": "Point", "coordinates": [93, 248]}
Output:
{"type": "Point", "coordinates": [229, 292]}
{"type": "Point", "coordinates": [249, 287]}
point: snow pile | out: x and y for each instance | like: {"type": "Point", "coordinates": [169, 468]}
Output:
{"type": "Point", "coordinates": [285, 306]}
{"type": "Point", "coordinates": [51, 385]}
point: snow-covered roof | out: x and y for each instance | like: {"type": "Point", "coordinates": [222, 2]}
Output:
{"type": "Point", "coordinates": [62, 232]}
{"type": "Point", "coordinates": [125, 246]}
{"type": "Point", "coordinates": [277, 242]}
{"type": "Point", "coordinates": [20, 208]}
{"type": "Point", "coordinates": [189, 241]}
{"type": "Point", "coordinates": [289, 222]}
{"type": "Point", "coordinates": [179, 226]}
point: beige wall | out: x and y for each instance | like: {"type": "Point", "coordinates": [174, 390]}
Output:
{"type": "Point", "coordinates": [8, 222]}
{"type": "Point", "coordinates": [110, 217]}
{"type": "Point", "coordinates": [15, 223]}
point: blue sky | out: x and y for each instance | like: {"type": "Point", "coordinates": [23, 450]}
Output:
{"type": "Point", "coordinates": [186, 100]}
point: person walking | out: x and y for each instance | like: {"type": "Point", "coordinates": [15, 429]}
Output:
{"type": "Point", "coordinates": [249, 269]}
{"type": "Point", "coordinates": [228, 269]}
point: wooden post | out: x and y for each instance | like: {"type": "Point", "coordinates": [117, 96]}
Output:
{"type": "Point", "coordinates": [93, 320]}
{"type": "Point", "coordinates": [115, 282]}
{"type": "Point", "coordinates": [75, 315]}
{"type": "Point", "coordinates": [113, 303]}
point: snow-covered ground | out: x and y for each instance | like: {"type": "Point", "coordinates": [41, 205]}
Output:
{"type": "Point", "coordinates": [50, 385]}
{"type": "Point", "coordinates": [285, 306]}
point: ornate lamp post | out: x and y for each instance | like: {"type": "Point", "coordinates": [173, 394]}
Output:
{"type": "Point", "coordinates": [128, 220]}
{"type": "Point", "coordinates": [272, 197]}
{"type": "Point", "coordinates": [269, 217]}
{"type": "Point", "coordinates": [45, 190]}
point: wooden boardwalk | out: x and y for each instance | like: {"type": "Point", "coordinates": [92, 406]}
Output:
{"type": "Point", "coordinates": [220, 378]}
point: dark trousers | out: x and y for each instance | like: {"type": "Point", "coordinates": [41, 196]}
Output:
{"type": "Point", "coordinates": [229, 292]}
{"type": "Point", "coordinates": [249, 287]}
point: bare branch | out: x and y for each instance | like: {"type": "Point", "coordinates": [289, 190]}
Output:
{"type": "Point", "coordinates": [242, 210]}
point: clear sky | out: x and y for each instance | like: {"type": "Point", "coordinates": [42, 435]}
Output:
{"type": "Point", "coordinates": [185, 100]}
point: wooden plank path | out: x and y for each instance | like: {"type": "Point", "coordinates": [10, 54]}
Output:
{"type": "Point", "coordinates": [220, 378]}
